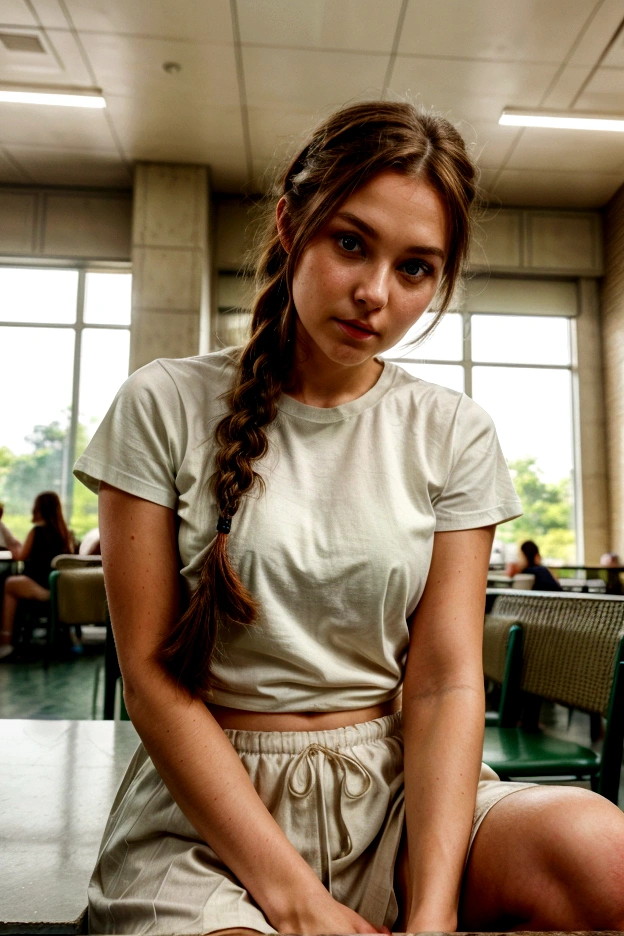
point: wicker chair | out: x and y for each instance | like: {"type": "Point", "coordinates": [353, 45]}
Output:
{"type": "Point", "coordinates": [573, 654]}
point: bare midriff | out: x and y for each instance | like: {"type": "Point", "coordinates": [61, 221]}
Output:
{"type": "Point", "coordinates": [242, 720]}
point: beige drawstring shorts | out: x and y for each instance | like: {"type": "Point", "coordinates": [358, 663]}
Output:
{"type": "Point", "coordinates": [338, 796]}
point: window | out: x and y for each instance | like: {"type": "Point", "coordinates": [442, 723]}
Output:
{"type": "Point", "coordinates": [519, 367]}
{"type": "Point", "coordinates": [65, 340]}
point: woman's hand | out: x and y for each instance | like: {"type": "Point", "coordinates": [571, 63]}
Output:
{"type": "Point", "coordinates": [326, 916]}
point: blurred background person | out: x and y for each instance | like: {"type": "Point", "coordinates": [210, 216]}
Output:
{"type": "Point", "coordinates": [49, 537]}
{"type": "Point", "coordinates": [530, 563]}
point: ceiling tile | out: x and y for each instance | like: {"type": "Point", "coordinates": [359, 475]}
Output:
{"type": "Point", "coordinates": [488, 143]}
{"type": "Point", "coordinates": [606, 19]}
{"type": "Point", "coordinates": [573, 150]}
{"type": "Point", "coordinates": [16, 13]}
{"type": "Point", "coordinates": [66, 167]}
{"type": "Point", "coordinates": [64, 67]}
{"type": "Point", "coordinates": [192, 20]}
{"type": "Point", "coordinates": [566, 87]}
{"type": "Point", "coordinates": [171, 129]}
{"type": "Point", "coordinates": [605, 92]}
{"type": "Point", "coordinates": [277, 133]}
{"type": "Point", "coordinates": [530, 31]}
{"type": "Point", "coordinates": [9, 173]}
{"type": "Point", "coordinates": [127, 65]}
{"type": "Point", "coordinates": [541, 189]}
{"type": "Point", "coordinates": [57, 127]}
{"type": "Point", "coordinates": [307, 80]}
{"type": "Point", "coordinates": [351, 24]}
{"type": "Point", "coordinates": [470, 90]}
{"type": "Point", "coordinates": [50, 14]}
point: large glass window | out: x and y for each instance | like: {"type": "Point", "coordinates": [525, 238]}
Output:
{"type": "Point", "coordinates": [65, 337]}
{"type": "Point", "coordinates": [519, 368]}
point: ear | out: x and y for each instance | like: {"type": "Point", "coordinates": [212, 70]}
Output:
{"type": "Point", "coordinates": [281, 216]}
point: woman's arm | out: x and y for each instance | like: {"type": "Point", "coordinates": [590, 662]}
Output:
{"type": "Point", "coordinates": [188, 747]}
{"type": "Point", "coordinates": [20, 551]}
{"type": "Point", "coordinates": [443, 719]}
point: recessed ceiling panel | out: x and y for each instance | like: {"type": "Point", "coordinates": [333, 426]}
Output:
{"type": "Point", "coordinates": [568, 150]}
{"type": "Point", "coordinates": [366, 25]}
{"type": "Point", "coordinates": [16, 13]}
{"type": "Point", "coordinates": [61, 65]}
{"type": "Point", "coordinates": [67, 167]}
{"type": "Point", "coordinates": [470, 90]}
{"type": "Point", "coordinates": [192, 20]}
{"type": "Point", "coordinates": [305, 80]}
{"type": "Point", "coordinates": [128, 65]}
{"type": "Point", "coordinates": [527, 31]}
{"type": "Point", "coordinates": [541, 189]}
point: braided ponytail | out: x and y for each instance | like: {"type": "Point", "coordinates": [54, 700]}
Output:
{"type": "Point", "coordinates": [347, 150]}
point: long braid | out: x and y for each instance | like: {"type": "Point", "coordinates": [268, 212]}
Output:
{"type": "Point", "coordinates": [220, 599]}
{"type": "Point", "coordinates": [351, 147]}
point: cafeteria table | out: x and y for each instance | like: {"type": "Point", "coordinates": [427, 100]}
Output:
{"type": "Point", "coordinates": [58, 780]}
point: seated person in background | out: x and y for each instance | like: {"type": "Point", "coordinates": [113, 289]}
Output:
{"type": "Point", "coordinates": [48, 538]}
{"type": "Point", "coordinates": [608, 560]}
{"type": "Point", "coordinates": [7, 540]}
{"type": "Point", "coordinates": [90, 543]}
{"type": "Point", "coordinates": [530, 563]}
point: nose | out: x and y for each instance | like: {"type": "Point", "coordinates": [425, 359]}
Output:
{"type": "Point", "coordinates": [373, 287]}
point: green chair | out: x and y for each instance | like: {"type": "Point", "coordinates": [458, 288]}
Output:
{"type": "Point", "coordinates": [573, 654]}
{"type": "Point", "coordinates": [502, 664]}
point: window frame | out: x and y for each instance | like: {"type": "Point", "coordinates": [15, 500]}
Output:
{"type": "Point", "coordinates": [78, 326]}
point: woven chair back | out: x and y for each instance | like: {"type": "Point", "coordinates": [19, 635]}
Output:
{"type": "Point", "coordinates": [81, 596]}
{"type": "Point", "coordinates": [570, 645]}
{"type": "Point", "coordinates": [495, 639]}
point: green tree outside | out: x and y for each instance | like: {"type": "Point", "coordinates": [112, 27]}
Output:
{"type": "Point", "coordinates": [22, 477]}
{"type": "Point", "coordinates": [548, 515]}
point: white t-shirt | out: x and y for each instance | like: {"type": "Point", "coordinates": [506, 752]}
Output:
{"type": "Point", "coordinates": [337, 550]}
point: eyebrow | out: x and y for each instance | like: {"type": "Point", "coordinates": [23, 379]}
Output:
{"type": "Point", "coordinates": [372, 233]}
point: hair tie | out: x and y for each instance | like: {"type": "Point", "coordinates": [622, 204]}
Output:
{"type": "Point", "coordinates": [224, 525]}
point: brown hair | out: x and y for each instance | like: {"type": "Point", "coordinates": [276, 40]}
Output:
{"type": "Point", "coordinates": [48, 506]}
{"type": "Point", "coordinates": [347, 150]}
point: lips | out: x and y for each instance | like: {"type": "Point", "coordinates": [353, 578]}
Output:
{"type": "Point", "coordinates": [359, 326]}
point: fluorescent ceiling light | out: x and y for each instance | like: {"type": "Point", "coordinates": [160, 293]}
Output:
{"type": "Point", "coordinates": [55, 97]}
{"type": "Point", "coordinates": [560, 121]}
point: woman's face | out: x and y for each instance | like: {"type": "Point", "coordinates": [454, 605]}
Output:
{"type": "Point", "coordinates": [372, 270]}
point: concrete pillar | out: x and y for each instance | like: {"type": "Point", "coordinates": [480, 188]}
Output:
{"type": "Point", "coordinates": [172, 278]}
{"type": "Point", "coordinates": [590, 439]}
{"type": "Point", "coordinates": [612, 311]}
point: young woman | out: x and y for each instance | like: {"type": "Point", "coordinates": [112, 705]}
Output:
{"type": "Point", "coordinates": [278, 786]}
{"type": "Point", "coordinates": [49, 537]}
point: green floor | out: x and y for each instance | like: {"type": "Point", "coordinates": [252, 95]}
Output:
{"type": "Point", "coordinates": [64, 690]}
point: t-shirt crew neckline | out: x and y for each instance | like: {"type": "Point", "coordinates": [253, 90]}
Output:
{"type": "Point", "coordinates": [321, 414]}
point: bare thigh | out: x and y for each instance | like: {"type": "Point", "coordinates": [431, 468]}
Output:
{"type": "Point", "coordinates": [21, 586]}
{"type": "Point", "coordinates": [546, 858]}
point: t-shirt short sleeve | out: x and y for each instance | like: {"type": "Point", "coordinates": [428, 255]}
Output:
{"type": "Point", "coordinates": [478, 490]}
{"type": "Point", "coordinates": [136, 447]}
